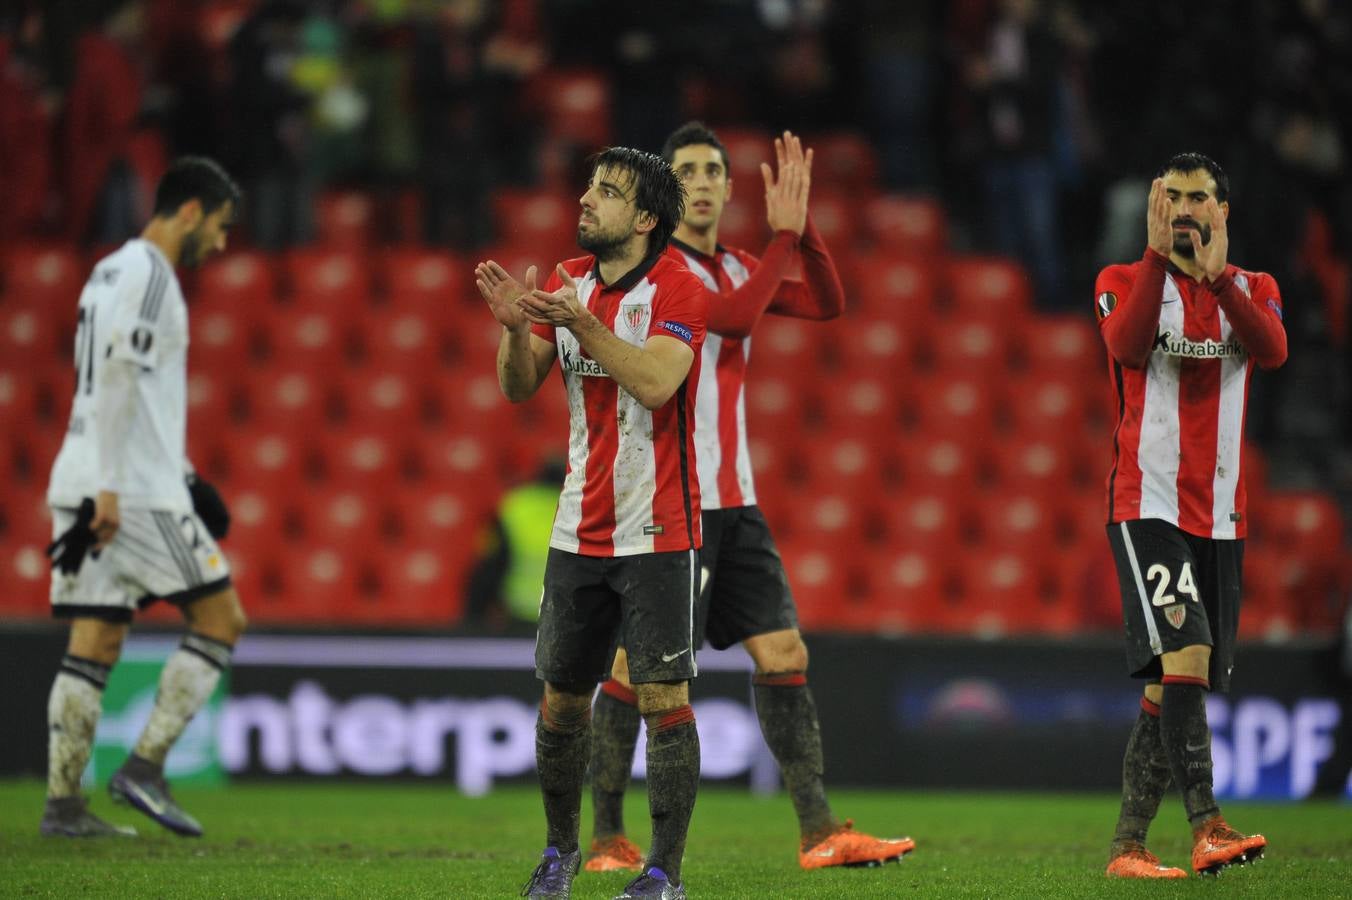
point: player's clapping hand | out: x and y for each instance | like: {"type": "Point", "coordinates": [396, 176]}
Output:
{"type": "Point", "coordinates": [502, 291]}
{"type": "Point", "coordinates": [1211, 256]}
{"type": "Point", "coordinates": [560, 308]}
{"type": "Point", "coordinates": [1159, 220]}
{"type": "Point", "coordinates": [787, 188]}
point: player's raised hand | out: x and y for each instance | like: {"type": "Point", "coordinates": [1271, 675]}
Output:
{"type": "Point", "coordinates": [787, 189]}
{"type": "Point", "coordinates": [560, 308]}
{"type": "Point", "coordinates": [1211, 256]}
{"type": "Point", "coordinates": [501, 291]}
{"type": "Point", "coordinates": [1159, 228]}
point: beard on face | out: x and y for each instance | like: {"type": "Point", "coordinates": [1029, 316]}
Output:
{"type": "Point", "coordinates": [1183, 242]}
{"type": "Point", "coordinates": [605, 245]}
{"type": "Point", "coordinates": [193, 251]}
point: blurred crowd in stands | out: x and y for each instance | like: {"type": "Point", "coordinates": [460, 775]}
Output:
{"type": "Point", "coordinates": [1034, 125]}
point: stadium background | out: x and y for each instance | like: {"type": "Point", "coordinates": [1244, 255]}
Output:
{"type": "Point", "coordinates": [932, 463]}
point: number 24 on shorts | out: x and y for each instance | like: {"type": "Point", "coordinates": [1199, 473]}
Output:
{"type": "Point", "coordinates": [1161, 596]}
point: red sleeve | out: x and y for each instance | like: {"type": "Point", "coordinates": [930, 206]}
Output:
{"type": "Point", "coordinates": [820, 294]}
{"type": "Point", "coordinates": [681, 309]}
{"type": "Point", "coordinates": [735, 313]}
{"type": "Point", "coordinates": [1129, 310]}
{"type": "Point", "coordinates": [1256, 316]}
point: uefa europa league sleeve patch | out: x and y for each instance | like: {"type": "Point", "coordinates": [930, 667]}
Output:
{"type": "Point", "coordinates": [1107, 302]}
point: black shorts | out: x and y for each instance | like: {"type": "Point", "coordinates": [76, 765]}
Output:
{"type": "Point", "coordinates": [744, 591]}
{"type": "Point", "coordinates": [1178, 590]}
{"type": "Point", "coordinates": [645, 602]}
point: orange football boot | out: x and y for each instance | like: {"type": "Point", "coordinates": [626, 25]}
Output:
{"type": "Point", "coordinates": [1217, 845]}
{"type": "Point", "coordinates": [614, 854]}
{"type": "Point", "coordinates": [847, 847]}
{"type": "Point", "coordinates": [1137, 862]}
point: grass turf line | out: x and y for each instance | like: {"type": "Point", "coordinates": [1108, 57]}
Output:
{"type": "Point", "coordinates": [387, 840]}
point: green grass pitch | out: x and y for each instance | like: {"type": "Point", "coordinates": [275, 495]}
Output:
{"type": "Point", "coordinates": [403, 840]}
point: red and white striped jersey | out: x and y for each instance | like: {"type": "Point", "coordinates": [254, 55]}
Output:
{"type": "Point", "coordinates": [632, 485]}
{"type": "Point", "coordinates": [1178, 450]}
{"type": "Point", "coordinates": [720, 411]}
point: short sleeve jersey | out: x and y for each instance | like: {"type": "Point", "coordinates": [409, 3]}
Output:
{"type": "Point", "coordinates": [1178, 449]}
{"type": "Point", "coordinates": [725, 475]}
{"type": "Point", "coordinates": [632, 485]}
{"type": "Point", "coordinates": [131, 310]}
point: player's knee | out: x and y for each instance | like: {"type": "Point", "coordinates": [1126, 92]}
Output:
{"type": "Point", "coordinates": [782, 651]}
{"type": "Point", "coordinates": [1193, 661]}
{"type": "Point", "coordinates": [219, 616]}
{"type": "Point", "coordinates": [1154, 692]}
{"type": "Point", "coordinates": [662, 695]}
{"type": "Point", "coordinates": [97, 640]}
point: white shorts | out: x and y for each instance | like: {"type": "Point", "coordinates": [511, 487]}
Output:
{"type": "Point", "coordinates": [155, 555]}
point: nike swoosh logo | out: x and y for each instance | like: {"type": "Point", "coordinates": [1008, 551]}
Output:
{"type": "Point", "coordinates": [668, 657]}
{"type": "Point", "coordinates": [825, 853]}
{"type": "Point", "coordinates": [1194, 749]}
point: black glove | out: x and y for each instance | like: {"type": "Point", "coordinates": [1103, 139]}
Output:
{"type": "Point", "coordinates": [210, 508]}
{"type": "Point", "coordinates": [68, 551]}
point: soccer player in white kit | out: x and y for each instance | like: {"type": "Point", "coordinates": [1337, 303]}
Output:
{"type": "Point", "coordinates": [123, 494]}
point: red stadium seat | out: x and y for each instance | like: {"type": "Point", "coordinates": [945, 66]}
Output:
{"type": "Point", "coordinates": [861, 468]}
{"type": "Point", "coordinates": [989, 287]}
{"type": "Point", "coordinates": [747, 149]}
{"type": "Point", "coordinates": [345, 218]}
{"type": "Point", "coordinates": [31, 334]}
{"type": "Point", "coordinates": [270, 461]}
{"type": "Point", "coordinates": [419, 585]}
{"type": "Point", "coordinates": [913, 226]}
{"type": "Point", "coordinates": [344, 515]}
{"type": "Point", "coordinates": [25, 517]}
{"type": "Point", "coordinates": [427, 279]}
{"type": "Point", "coordinates": [211, 400]}
{"type": "Point", "coordinates": [1015, 520]}
{"type": "Point", "coordinates": [240, 280]}
{"type": "Point", "coordinates": [975, 347]}
{"type": "Point", "coordinates": [577, 106]}
{"type": "Point", "coordinates": [820, 581]}
{"type": "Point", "coordinates": [222, 340]}
{"type": "Point", "coordinates": [743, 224]}
{"type": "Point", "coordinates": [20, 399]}
{"type": "Point", "coordinates": [309, 339]}
{"type": "Point", "coordinates": [447, 516]}
{"type": "Point", "coordinates": [362, 459]}
{"type": "Point", "coordinates": [910, 592]}
{"type": "Point", "coordinates": [289, 397]}
{"type": "Point", "coordinates": [954, 406]}
{"type": "Point", "coordinates": [924, 520]}
{"type": "Point", "coordinates": [24, 579]}
{"type": "Point", "coordinates": [881, 346]}
{"type": "Point", "coordinates": [329, 279]}
{"type": "Point", "coordinates": [35, 450]}
{"type": "Point", "coordinates": [408, 340]}
{"type": "Point", "coordinates": [1064, 346]}
{"type": "Point", "coordinates": [787, 347]}
{"type": "Point", "coordinates": [382, 401]}
{"type": "Point", "coordinates": [543, 219]}
{"type": "Point", "coordinates": [321, 583]}
{"type": "Point", "coordinates": [843, 160]}
{"type": "Point", "coordinates": [863, 406]}
{"type": "Point", "coordinates": [835, 217]}
{"type": "Point", "coordinates": [466, 463]}
{"type": "Point", "coordinates": [47, 275]}
{"type": "Point", "coordinates": [257, 516]}
{"type": "Point", "coordinates": [1049, 405]}
{"type": "Point", "coordinates": [999, 591]}
{"type": "Point", "coordinates": [1036, 465]}
{"type": "Point", "coordinates": [773, 398]}
{"type": "Point", "coordinates": [894, 286]}
{"type": "Point", "coordinates": [941, 464]}
{"type": "Point", "coordinates": [471, 399]}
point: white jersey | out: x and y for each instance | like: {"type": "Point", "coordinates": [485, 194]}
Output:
{"type": "Point", "coordinates": [131, 309]}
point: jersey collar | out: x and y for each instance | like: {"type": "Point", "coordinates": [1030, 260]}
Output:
{"type": "Point", "coordinates": [628, 280]}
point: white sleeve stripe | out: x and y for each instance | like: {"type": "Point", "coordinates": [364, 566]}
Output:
{"type": "Point", "coordinates": [159, 279]}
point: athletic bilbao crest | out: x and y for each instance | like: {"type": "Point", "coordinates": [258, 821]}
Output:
{"type": "Point", "coordinates": [1176, 614]}
{"type": "Point", "coordinates": [635, 317]}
